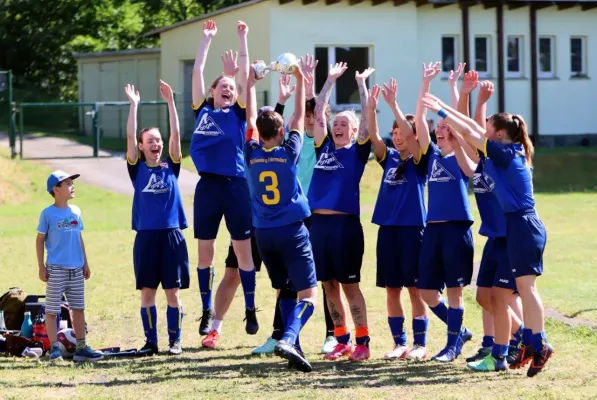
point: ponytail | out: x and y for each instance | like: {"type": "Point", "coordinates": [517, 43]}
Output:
{"type": "Point", "coordinates": [140, 141]}
{"type": "Point", "coordinates": [522, 136]}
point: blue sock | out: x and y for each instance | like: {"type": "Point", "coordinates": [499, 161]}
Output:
{"type": "Point", "coordinates": [455, 316]}
{"type": "Point", "coordinates": [206, 281]}
{"type": "Point", "coordinates": [297, 345]}
{"type": "Point", "coordinates": [149, 317]}
{"type": "Point", "coordinates": [539, 340]}
{"type": "Point", "coordinates": [344, 339]}
{"type": "Point", "coordinates": [517, 336]}
{"type": "Point", "coordinates": [527, 337]}
{"type": "Point", "coordinates": [397, 329]}
{"type": "Point", "coordinates": [247, 279]}
{"type": "Point", "coordinates": [499, 350]}
{"type": "Point", "coordinates": [441, 311]}
{"type": "Point", "coordinates": [487, 341]}
{"type": "Point", "coordinates": [420, 331]}
{"type": "Point", "coordinates": [297, 319]}
{"type": "Point", "coordinates": [174, 320]}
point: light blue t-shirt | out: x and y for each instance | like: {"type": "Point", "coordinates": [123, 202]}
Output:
{"type": "Point", "coordinates": [62, 227]}
{"type": "Point", "coordinates": [307, 161]}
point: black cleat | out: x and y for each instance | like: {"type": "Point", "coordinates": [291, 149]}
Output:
{"type": "Point", "coordinates": [513, 353]}
{"type": "Point", "coordinates": [149, 349]}
{"type": "Point", "coordinates": [481, 354]}
{"type": "Point", "coordinates": [295, 359]}
{"type": "Point", "coordinates": [251, 326]}
{"type": "Point", "coordinates": [206, 320]}
{"type": "Point", "coordinates": [525, 354]}
{"type": "Point", "coordinates": [539, 360]}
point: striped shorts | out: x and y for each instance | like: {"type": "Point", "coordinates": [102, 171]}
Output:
{"type": "Point", "coordinates": [68, 281]}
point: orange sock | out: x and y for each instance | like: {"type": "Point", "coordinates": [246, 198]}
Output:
{"type": "Point", "coordinates": [362, 331]}
{"type": "Point", "coordinates": [340, 331]}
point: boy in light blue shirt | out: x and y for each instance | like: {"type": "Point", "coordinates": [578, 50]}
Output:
{"type": "Point", "coordinates": [66, 268]}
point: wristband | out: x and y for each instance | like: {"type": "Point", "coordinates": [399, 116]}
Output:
{"type": "Point", "coordinates": [442, 113]}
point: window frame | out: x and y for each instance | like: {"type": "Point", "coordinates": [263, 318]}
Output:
{"type": "Point", "coordinates": [584, 49]}
{"type": "Point", "coordinates": [484, 74]}
{"type": "Point", "coordinates": [456, 49]}
{"type": "Point", "coordinates": [552, 56]}
{"type": "Point", "coordinates": [520, 72]}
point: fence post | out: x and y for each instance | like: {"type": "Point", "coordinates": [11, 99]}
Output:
{"type": "Point", "coordinates": [265, 98]}
{"type": "Point", "coordinates": [95, 130]}
{"type": "Point", "coordinates": [21, 129]}
{"type": "Point", "coordinates": [11, 131]}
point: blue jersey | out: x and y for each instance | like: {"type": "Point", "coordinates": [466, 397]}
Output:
{"type": "Point", "coordinates": [62, 227]}
{"type": "Point", "coordinates": [401, 198]}
{"type": "Point", "coordinates": [218, 139]}
{"type": "Point", "coordinates": [157, 203]}
{"type": "Point", "coordinates": [336, 176]}
{"type": "Point", "coordinates": [447, 192]}
{"type": "Point", "coordinates": [493, 218]}
{"type": "Point", "coordinates": [506, 164]}
{"type": "Point", "coordinates": [277, 196]}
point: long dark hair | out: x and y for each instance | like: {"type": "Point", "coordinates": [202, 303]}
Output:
{"type": "Point", "coordinates": [516, 129]}
{"type": "Point", "coordinates": [140, 140]}
{"type": "Point", "coordinates": [410, 120]}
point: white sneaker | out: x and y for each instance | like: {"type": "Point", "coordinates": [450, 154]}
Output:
{"type": "Point", "coordinates": [398, 353]}
{"type": "Point", "coordinates": [329, 344]}
{"type": "Point", "coordinates": [417, 353]}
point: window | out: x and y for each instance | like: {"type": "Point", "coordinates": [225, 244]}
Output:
{"type": "Point", "coordinates": [345, 94]}
{"type": "Point", "coordinates": [482, 52]}
{"type": "Point", "coordinates": [514, 57]}
{"type": "Point", "coordinates": [578, 58]}
{"type": "Point", "coordinates": [546, 57]}
{"type": "Point", "coordinates": [449, 53]}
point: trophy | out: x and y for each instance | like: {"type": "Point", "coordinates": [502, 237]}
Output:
{"type": "Point", "coordinates": [285, 65]}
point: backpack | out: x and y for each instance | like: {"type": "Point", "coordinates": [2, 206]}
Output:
{"type": "Point", "coordinates": [13, 305]}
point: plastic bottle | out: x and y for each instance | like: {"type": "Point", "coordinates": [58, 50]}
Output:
{"type": "Point", "coordinates": [2, 323]}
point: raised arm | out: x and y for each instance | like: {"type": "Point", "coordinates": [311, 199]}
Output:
{"type": "Point", "coordinates": [298, 117]}
{"type": "Point", "coordinates": [462, 150]}
{"type": "Point", "coordinates": [209, 31]}
{"type": "Point", "coordinates": [308, 64]}
{"type": "Point", "coordinates": [486, 90]}
{"type": "Point", "coordinates": [320, 128]}
{"type": "Point", "coordinates": [389, 94]}
{"type": "Point", "coordinates": [242, 30]}
{"type": "Point", "coordinates": [131, 124]}
{"type": "Point", "coordinates": [453, 82]}
{"type": "Point", "coordinates": [379, 147]}
{"type": "Point", "coordinates": [252, 133]}
{"type": "Point", "coordinates": [469, 83]}
{"type": "Point", "coordinates": [429, 72]}
{"type": "Point", "coordinates": [230, 63]}
{"type": "Point", "coordinates": [285, 91]}
{"type": "Point", "coordinates": [363, 95]}
{"type": "Point", "coordinates": [174, 141]}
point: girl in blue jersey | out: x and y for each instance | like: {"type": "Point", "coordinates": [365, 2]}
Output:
{"type": "Point", "coordinates": [446, 257]}
{"type": "Point", "coordinates": [222, 191]}
{"type": "Point", "coordinates": [400, 213]}
{"type": "Point", "coordinates": [160, 251]}
{"type": "Point", "coordinates": [509, 152]}
{"type": "Point", "coordinates": [336, 231]}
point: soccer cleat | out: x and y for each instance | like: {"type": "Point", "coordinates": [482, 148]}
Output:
{"type": "Point", "coordinates": [446, 355]}
{"type": "Point", "coordinates": [488, 364]}
{"type": "Point", "coordinates": [399, 352]}
{"type": "Point", "coordinates": [539, 360]}
{"type": "Point", "coordinates": [251, 326]}
{"type": "Point", "coordinates": [512, 353]}
{"type": "Point", "coordinates": [417, 353]}
{"type": "Point", "coordinates": [149, 349]}
{"type": "Point", "coordinates": [340, 350]}
{"type": "Point", "coordinates": [267, 348]}
{"type": "Point", "coordinates": [465, 336]}
{"type": "Point", "coordinates": [211, 340]}
{"type": "Point", "coordinates": [87, 354]}
{"type": "Point", "coordinates": [361, 353]}
{"type": "Point", "coordinates": [56, 354]}
{"type": "Point", "coordinates": [525, 354]}
{"type": "Point", "coordinates": [175, 348]}
{"type": "Point", "coordinates": [206, 320]}
{"type": "Point", "coordinates": [329, 344]}
{"type": "Point", "coordinates": [481, 354]}
{"type": "Point", "coordinates": [295, 358]}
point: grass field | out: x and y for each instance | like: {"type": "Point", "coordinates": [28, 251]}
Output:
{"type": "Point", "coordinates": [569, 212]}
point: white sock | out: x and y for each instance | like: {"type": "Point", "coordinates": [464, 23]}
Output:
{"type": "Point", "coordinates": [217, 325]}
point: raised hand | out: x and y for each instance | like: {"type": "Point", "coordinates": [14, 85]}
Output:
{"type": "Point", "coordinates": [432, 102]}
{"type": "Point", "coordinates": [210, 29]}
{"type": "Point", "coordinates": [486, 90]}
{"type": "Point", "coordinates": [166, 91]}
{"type": "Point", "coordinates": [285, 89]}
{"type": "Point", "coordinates": [455, 75]}
{"type": "Point", "coordinates": [336, 71]}
{"type": "Point", "coordinates": [308, 63]}
{"type": "Point", "coordinates": [362, 76]}
{"type": "Point", "coordinates": [133, 95]}
{"type": "Point", "coordinates": [470, 82]}
{"type": "Point", "coordinates": [373, 99]}
{"type": "Point", "coordinates": [389, 92]}
{"type": "Point", "coordinates": [242, 29]}
{"type": "Point", "coordinates": [431, 70]}
{"type": "Point", "coordinates": [230, 61]}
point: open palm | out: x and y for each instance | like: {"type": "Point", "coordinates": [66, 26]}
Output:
{"type": "Point", "coordinates": [132, 94]}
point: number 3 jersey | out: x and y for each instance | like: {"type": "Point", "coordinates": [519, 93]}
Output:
{"type": "Point", "coordinates": [157, 203]}
{"type": "Point", "coordinates": [277, 196]}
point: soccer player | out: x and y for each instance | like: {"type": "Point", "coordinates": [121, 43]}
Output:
{"type": "Point", "coordinates": [216, 150]}
{"type": "Point", "coordinates": [160, 251]}
{"type": "Point", "coordinates": [400, 213]}
{"type": "Point", "coordinates": [279, 208]}
{"type": "Point", "coordinates": [336, 230]}
{"type": "Point", "coordinates": [509, 151]}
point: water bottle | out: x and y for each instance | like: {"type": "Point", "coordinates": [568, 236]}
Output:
{"type": "Point", "coordinates": [2, 323]}
{"type": "Point", "coordinates": [27, 327]}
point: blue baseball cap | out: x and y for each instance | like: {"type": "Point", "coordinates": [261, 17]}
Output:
{"type": "Point", "coordinates": [56, 177]}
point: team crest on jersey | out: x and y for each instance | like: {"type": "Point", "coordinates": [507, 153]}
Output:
{"type": "Point", "coordinates": [439, 173]}
{"type": "Point", "coordinates": [328, 162]}
{"type": "Point", "coordinates": [67, 223]}
{"type": "Point", "coordinates": [392, 178]}
{"type": "Point", "coordinates": [156, 185]}
{"type": "Point", "coordinates": [208, 127]}
{"type": "Point", "coordinates": [483, 183]}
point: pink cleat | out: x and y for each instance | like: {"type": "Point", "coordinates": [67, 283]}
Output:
{"type": "Point", "coordinates": [340, 350]}
{"type": "Point", "coordinates": [361, 353]}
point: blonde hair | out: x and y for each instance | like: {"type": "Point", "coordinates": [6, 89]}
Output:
{"type": "Point", "coordinates": [353, 122]}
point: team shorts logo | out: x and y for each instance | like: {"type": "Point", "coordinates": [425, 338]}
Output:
{"type": "Point", "coordinates": [208, 127]}
{"type": "Point", "coordinates": [156, 185]}
{"type": "Point", "coordinates": [483, 183]}
{"type": "Point", "coordinates": [392, 179]}
{"type": "Point", "coordinates": [439, 173]}
{"type": "Point", "coordinates": [328, 162]}
{"type": "Point", "coordinates": [68, 223]}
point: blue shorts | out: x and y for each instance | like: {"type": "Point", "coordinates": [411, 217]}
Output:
{"type": "Point", "coordinates": [446, 255]}
{"type": "Point", "coordinates": [287, 255]}
{"type": "Point", "coordinates": [495, 268]}
{"type": "Point", "coordinates": [526, 242]}
{"type": "Point", "coordinates": [232, 260]}
{"type": "Point", "coordinates": [218, 196]}
{"type": "Point", "coordinates": [398, 249]}
{"type": "Point", "coordinates": [160, 256]}
{"type": "Point", "coordinates": [338, 247]}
